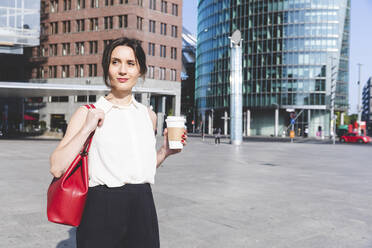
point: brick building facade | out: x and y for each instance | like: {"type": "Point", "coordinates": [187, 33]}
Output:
{"type": "Point", "coordinates": [73, 34]}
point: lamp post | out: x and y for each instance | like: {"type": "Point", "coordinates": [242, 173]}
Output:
{"type": "Point", "coordinates": [359, 105]}
{"type": "Point", "coordinates": [333, 97]}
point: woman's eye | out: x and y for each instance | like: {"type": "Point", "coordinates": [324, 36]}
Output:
{"type": "Point", "coordinates": [114, 62]}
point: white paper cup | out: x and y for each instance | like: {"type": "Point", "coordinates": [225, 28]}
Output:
{"type": "Point", "coordinates": [176, 128]}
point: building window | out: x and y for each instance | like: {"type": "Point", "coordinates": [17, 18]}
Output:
{"type": "Point", "coordinates": [151, 26]}
{"type": "Point", "coordinates": [93, 24]}
{"type": "Point", "coordinates": [92, 70]}
{"type": "Point", "coordinates": [173, 53]}
{"type": "Point", "coordinates": [79, 48]}
{"type": "Point", "coordinates": [53, 6]}
{"type": "Point", "coordinates": [123, 21]}
{"type": "Point", "coordinates": [80, 25]}
{"type": "Point", "coordinates": [109, 2]}
{"type": "Point", "coordinates": [106, 42]}
{"type": "Point", "coordinates": [59, 99]}
{"type": "Point", "coordinates": [92, 98]}
{"type": "Point", "coordinates": [109, 24]}
{"type": "Point", "coordinates": [40, 73]}
{"type": "Point", "coordinates": [174, 9]}
{"type": "Point", "coordinates": [52, 71]}
{"type": "Point", "coordinates": [53, 49]}
{"type": "Point", "coordinates": [151, 71]}
{"type": "Point", "coordinates": [65, 73]}
{"type": "Point", "coordinates": [163, 28]}
{"type": "Point", "coordinates": [151, 50]}
{"type": "Point", "coordinates": [66, 5]}
{"type": "Point", "coordinates": [43, 9]}
{"type": "Point", "coordinates": [79, 70]}
{"type": "Point", "coordinates": [54, 27]}
{"type": "Point", "coordinates": [162, 73]}
{"type": "Point", "coordinates": [174, 31]}
{"type": "Point", "coordinates": [80, 4]}
{"type": "Point", "coordinates": [94, 3]}
{"type": "Point", "coordinates": [152, 4]}
{"type": "Point", "coordinates": [93, 47]}
{"type": "Point", "coordinates": [140, 2]}
{"type": "Point", "coordinates": [123, 1]}
{"type": "Point", "coordinates": [163, 51]}
{"type": "Point", "coordinates": [173, 75]}
{"type": "Point", "coordinates": [164, 6]}
{"type": "Point", "coordinates": [65, 49]}
{"type": "Point", "coordinates": [139, 22]}
{"type": "Point", "coordinates": [66, 27]}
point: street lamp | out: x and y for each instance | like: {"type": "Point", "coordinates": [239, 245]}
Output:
{"type": "Point", "coordinates": [359, 104]}
{"type": "Point", "coordinates": [333, 98]}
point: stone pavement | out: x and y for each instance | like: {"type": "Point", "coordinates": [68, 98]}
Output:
{"type": "Point", "coordinates": [259, 195]}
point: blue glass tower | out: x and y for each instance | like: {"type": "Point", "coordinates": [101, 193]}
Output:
{"type": "Point", "coordinates": [292, 50]}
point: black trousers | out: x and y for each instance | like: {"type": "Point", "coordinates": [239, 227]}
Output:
{"type": "Point", "coordinates": [122, 217]}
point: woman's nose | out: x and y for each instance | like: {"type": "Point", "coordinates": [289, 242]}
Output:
{"type": "Point", "coordinates": [123, 69]}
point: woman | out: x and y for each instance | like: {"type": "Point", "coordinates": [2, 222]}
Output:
{"type": "Point", "coordinates": [119, 210]}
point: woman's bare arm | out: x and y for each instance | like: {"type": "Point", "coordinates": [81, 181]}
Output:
{"type": "Point", "coordinates": [82, 123]}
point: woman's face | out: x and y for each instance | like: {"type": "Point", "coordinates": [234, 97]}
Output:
{"type": "Point", "coordinates": [124, 69]}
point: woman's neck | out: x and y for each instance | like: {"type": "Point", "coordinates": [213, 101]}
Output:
{"type": "Point", "coordinates": [121, 99]}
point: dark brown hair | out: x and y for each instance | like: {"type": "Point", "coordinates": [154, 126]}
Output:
{"type": "Point", "coordinates": [123, 41]}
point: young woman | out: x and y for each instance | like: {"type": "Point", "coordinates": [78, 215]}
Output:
{"type": "Point", "coordinates": [120, 209]}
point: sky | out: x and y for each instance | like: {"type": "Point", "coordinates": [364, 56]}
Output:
{"type": "Point", "coordinates": [360, 42]}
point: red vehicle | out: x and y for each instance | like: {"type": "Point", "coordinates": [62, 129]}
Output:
{"type": "Point", "coordinates": [354, 138]}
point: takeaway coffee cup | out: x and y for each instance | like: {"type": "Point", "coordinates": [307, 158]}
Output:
{"type": "Point", "coordinates": [176, 128]}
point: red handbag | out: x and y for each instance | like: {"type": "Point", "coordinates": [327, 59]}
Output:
{"type": "Point", "coordinates": [67, 194]}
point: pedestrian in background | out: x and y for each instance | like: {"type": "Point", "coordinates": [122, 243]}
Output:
{"type": "Point", "coordinates": [217, 136]}
{"type": "Point", "coordinates": [119, 210]}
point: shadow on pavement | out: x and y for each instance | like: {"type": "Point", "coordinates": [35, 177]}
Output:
{"type": "Point", "coordinates": [70, 242]}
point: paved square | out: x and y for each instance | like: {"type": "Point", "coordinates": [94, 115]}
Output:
{"type": "Point", "coordinates": [258, 195]}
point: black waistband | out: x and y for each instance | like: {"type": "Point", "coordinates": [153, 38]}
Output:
{"type": "Point", "coordinates": [143, 187]}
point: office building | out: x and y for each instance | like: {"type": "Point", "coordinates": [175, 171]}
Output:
{"type": "Point", "coordinates": [292, 51]}
{"type": "Point", "coordinates": [367, 106]}
{"type": "Point", "coordinates": [188, 78]}
{"type": "Point", "coordinates": [73, 35]}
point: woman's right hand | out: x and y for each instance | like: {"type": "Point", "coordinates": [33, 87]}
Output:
{"type": "Point", "coordinates": [94, 118]}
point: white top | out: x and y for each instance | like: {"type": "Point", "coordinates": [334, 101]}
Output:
{"type": "Point", "coordinates": [123, 149]}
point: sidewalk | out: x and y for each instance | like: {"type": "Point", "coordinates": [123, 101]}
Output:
{"type": "Point", "coordinates": [257, 195]}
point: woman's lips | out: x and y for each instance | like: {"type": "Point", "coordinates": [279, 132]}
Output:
{"type": "Point", "coordinates": [122, 80]}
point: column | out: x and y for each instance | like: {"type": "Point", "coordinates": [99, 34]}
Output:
{"type": "Point", "coordinates": [248, 115]}
{"type": "Point", "coordinates": [177, 104]}
{"type": "Point", "coordinates": [342, 120]}
{"type": "Point", "coordinates": [145, 99]}
{"type": "Point", "coordinates": [225, 122]}
{"type": "Point", "coordinates": [276, 122]}
{"type": "Point", "coordinates": [210, 126]}
{"type": "Point", "coordinates": [244, 123]}
{"type": "Point", "coordinates": [311, 133]}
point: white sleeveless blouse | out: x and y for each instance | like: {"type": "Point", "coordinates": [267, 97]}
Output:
{"type": "Point", "coordinates": [123, 149]}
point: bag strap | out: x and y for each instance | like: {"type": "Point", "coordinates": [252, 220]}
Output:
{"type": "Point", "coordinates": [88, 142]}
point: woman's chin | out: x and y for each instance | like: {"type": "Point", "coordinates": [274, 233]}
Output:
{"type": "Point", "coordinates": [122, 86]}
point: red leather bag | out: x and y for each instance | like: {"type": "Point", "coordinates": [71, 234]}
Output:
{"type": "Point", "coordinates": [67, 194]}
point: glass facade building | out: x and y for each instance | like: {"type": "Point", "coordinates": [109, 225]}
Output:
{"type": "Point", "coordinates": [292, 51]}
{"type": "Point", "coordinates": [19, 25]}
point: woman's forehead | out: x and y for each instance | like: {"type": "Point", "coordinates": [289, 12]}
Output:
{"type": "Point", "coordinates": [123, 52]}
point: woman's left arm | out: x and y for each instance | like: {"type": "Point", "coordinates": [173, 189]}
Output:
{"type": "Point", "coordinates": [164, 151]}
